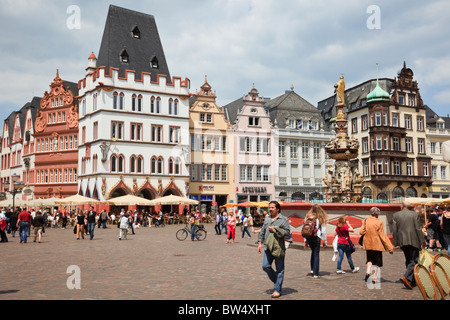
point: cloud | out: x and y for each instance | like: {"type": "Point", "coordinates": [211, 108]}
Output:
{"type": "Point", "coordinates": [274, 44]}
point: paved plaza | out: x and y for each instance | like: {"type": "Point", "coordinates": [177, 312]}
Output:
{"type": "Point", "coordinates": [154, 265]}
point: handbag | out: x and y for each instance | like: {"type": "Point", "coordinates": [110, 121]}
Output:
{"type": "Point", "coordinates": [360, 242]}
{"type": "Point", "coordinates": [352, 246]}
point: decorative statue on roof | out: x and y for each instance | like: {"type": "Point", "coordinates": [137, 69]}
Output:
{"type": "Point", "coordinates": [339, 89]}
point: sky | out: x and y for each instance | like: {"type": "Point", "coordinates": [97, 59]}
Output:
{"type": "Point", "coordinates": [271, 44]}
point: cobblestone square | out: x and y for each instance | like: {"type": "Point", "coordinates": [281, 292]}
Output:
{"type": "Point", "coordinates": [154, 265]}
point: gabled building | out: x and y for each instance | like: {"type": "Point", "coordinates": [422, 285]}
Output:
{"type": "Point", "coordinates": [254, 142]}
{"type": "Point", "coordinates": [387, 117]}
{"type": "Point", "coordinates": [55, 141]}
{"type": "Point", "coordinates": [212, 163]}
{"type": "Point", "coordinates": [133, 117]}
{"type": "Point", "coordinates": [17, 147]}
{"type": "Point", "coordinates": [300, 139]}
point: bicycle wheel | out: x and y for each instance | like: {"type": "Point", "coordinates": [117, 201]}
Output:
{"type": "Point", "coordinates": [182, 234]}
{"type": "Point", "coordinates": [201, 234]}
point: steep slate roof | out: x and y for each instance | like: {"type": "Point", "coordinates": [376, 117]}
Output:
{"type": "Point", "coordinates": [118, 36]}
{"type": "Point", "coordinates": [355, 96]}
{"type": "Point", "coordinates": [290, 104]}
{"type": "Point", "coordinates": [35, 104]}
{"type": "Point", "coordinates": [232, 109]}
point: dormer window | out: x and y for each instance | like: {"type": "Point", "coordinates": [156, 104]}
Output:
{"type": "Point", "coordinates": [154, 63]}
{"type": "Point", "coordinates": [124, 56]}
{"type": "Point", "coordinates": [136, 33]}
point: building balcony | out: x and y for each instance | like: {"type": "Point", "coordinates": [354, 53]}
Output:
{"type": "Point", "coordinates": [389, 153]}
{"type": "Point", "coordinates": [388, 178]}
{"type": "Point", "coordinates": [387, 129]}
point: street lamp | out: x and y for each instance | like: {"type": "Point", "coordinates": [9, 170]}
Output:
{"type": "Point", "coordinates": [16, 186]}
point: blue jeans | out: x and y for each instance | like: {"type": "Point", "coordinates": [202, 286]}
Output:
{"type": "Point", "coordinates": [23, 231]}
{"type": "Point", "coordinates": [275, 276]}
{"type": "Point", "coordinates": [246, 231]}
{"type": "Point", "coordinates": [314, 244]}
{"type": "Point", "coordinates": [344, 248]}
{"type": "Point", "coordinates": [91, 228]}
{"type": "Point", "coordinates": [193, 234]}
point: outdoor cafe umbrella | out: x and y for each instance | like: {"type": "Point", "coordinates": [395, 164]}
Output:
{"type": "Point", "coordinates": [172, 199]}
{"type": "Point", "coordinates": [76, 200]}
{"type": "Point", "coordinates": [129, 199]}
{"type": "Point", "coordinates": [230, 205]}
{"type": "Point", "coordinates": [43, 202]}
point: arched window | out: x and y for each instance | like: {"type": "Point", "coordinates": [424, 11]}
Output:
{"type": "Point", "coordinates": [153, 165]}
{"type": "Point", "coordinates": [120, 163]}
{"type": "Point", "coordinates": [397, 193]}
{"type": "Point", "coordinates": [139, 164]}
{"type": "Point", "coordinates": [136, 33]}
{"type": "Point", "coordinates": [170, 166]}
{"type": "Point", "coordinates": [113, 163]}
{"type": "Point", "coordinates": [411, 192]}
{"type": "Point", "coordinates": [154, 63]}
{"type": "Point", "coordinates": [132, 164]}
{"type": "Point", "coordinates": [160, 165]}
{"type": "Point", "coordinates": [124, 58]}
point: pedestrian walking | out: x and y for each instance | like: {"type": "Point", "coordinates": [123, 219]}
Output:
{"type": "Point", "coordinates": [224, 222]}
{"type": "Point", "coordinates": [375, 242]}
{"type": "Point", "coordinates": [231, 226]}
{"type": "Point", "coordinates": [123, 225]}
{"type": "Point", "coordinates": [408, 236]}
{"type": "Point", "coordinates": [23, 222]}
{"type": "Point", "coordinates": [80, 225]}
{"type": "Point", "coordinates": [433, 229]}
{"type": "Point", "coordinates": [271, 238]}
{"type": "Point", "coordinates": [13, 223]}
{"type": "Point", "coordinates": [91, 215]}
{"type": "Point", "coordinates": [245, 225]}
{"type": "Point", "coordinates": [218, 222]}
{"type": "Point", "coordinates": [3, 226]}
{"type": "Point", "coordinates": [319, 215]}
{"type": "Point", "coordinates": [38, 225]}
{"type": "Point", "coordinates": [445, 227]}
{"type": "Point", "coordinates": [64, 217]}
{"type": "Point", "coordinates": [343, 230]}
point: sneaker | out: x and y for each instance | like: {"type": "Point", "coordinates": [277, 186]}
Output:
{"type": "Point", "coordinates": [316, 277]}
{"type": "Point", "coordinates": [355, 270]}
{"type": "Point", "coordinates": [340, 272]}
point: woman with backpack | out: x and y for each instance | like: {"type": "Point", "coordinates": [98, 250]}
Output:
{"type": "Point", "coordinates": [343, 230]}
{"type": "Point", "coordinates": [318, 218]}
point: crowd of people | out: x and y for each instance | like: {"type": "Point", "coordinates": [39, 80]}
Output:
{"type": "Point", "coordinates": [412, 231]}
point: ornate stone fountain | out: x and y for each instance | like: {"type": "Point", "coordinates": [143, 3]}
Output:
{"type": "Point", "coordinates": [343, 182]}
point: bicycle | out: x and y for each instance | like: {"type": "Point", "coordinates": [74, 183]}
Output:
{"type": "Point", "coordinates": [200, 232]}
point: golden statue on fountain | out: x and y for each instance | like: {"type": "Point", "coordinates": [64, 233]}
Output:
{"type": "Point", "coordinates": [343, 183]}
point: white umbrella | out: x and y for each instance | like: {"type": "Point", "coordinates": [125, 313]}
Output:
{"type": "Point", "coordinates": [172, 199]}
{"type": "Point", "coordinates": [77, 199]}
{"type": "Point", "coordinates": [43, 202]}
{"type": "Point", "coordinates": [128, 199]}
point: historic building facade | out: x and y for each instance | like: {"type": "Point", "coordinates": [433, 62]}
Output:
{"type": "Point", "coordinates": [300, 139]}
{"type": "Point", "coordinates": [254, 142]}
{"type": "Point", "coordinates": [212, 152]}
{"type": "Point", "coordinates": [133, 118]}
{"type": "Point", "coordinates": [438, 132]}
{"type": "Point", "coordinates": [55, 142]}
{"type": "Point", "coordinates": [387, 117]}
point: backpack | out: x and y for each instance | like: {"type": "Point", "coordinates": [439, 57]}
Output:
{"type": "Point", "coordinates": [309, 228]}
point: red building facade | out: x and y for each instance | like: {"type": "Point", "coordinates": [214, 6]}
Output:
{"type": "Point", "coordinates": [56, 141]}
